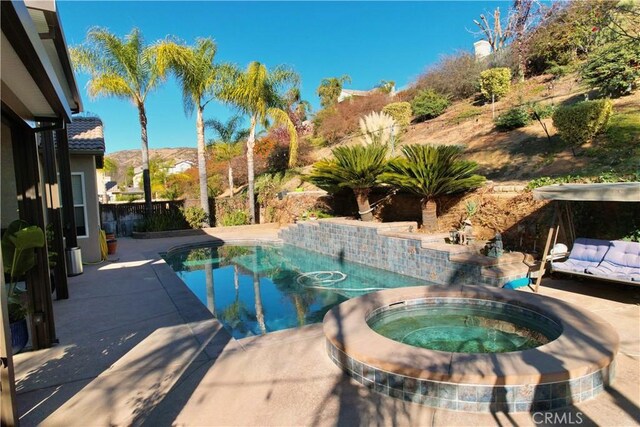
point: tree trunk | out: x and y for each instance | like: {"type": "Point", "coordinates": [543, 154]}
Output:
{"type": "Point", "coordinates": [251, 142]}
{"type": "Point", "coordinates": [429, 215]}
{"type": "Point", "coordinates": [230, 180]}
{"type": "Point", "coordinates": [210, 284]}
{"type": "Point", "coordinates": [258, 297]}
{"type": "Point", "coordinates": [202, 164]}
{"type": "Point", "coordinates": [146, 177]}
{"type": "Point", "coordinates": [362, 198]}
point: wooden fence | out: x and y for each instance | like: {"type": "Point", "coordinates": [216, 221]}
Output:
{"type": "Point", "coordinates": [122, 218]}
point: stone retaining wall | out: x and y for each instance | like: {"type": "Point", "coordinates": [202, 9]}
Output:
{"type": "Point", "coordinates": [392, 246]}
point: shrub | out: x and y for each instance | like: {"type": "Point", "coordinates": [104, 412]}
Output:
{"type": "Point", "coordinates": [401, 113]}
{"type": "Point", "coordinates": [455, 76]}
{"type": "Point", "coordinates": [377, 128]}
{"type": "Point", "coordinates": [514, 118]}
{"type": "Point", "coordinates": [543, 111]}
{"type": "Point", "coordinates": [614, 69]}
{"type": "Point", "coordinates": [237, 217]}
{"type": "Point", "coordinates": [428, 104]}
{"type": "Point", "coordinates": [195, 216]}
{"type": "Point", "coordinates": [579, 123]}
{"type": "Point", "coordinates": [466, 114]}
{"type": "Point", "coordinates": [495, 82]}
{"type": "Point", "coordinates": [164, 221]}
{"type": "Point", "coordinates": [341, 120]}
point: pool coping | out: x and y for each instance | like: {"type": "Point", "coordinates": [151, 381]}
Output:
{"type": "Point", "coordinates": [578, 352]}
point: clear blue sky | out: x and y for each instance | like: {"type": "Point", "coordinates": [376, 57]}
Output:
{"type": "Point", "coordinates": [370, 41]}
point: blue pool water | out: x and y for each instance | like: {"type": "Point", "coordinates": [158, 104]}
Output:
{"type": "Point", "coordinates": [461, 327]}
{"type": "Point", "coordinates": [253, 290]}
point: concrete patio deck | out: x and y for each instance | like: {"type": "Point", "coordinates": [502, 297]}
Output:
{"type": "Point", "coordinates": [137, 348]}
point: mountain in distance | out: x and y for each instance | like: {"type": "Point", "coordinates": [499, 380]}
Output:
{"type": "Point", "coordinates": [125, 158]}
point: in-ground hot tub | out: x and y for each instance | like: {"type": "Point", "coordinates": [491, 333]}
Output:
{"type": "Point", "coordinates": [495, 350]}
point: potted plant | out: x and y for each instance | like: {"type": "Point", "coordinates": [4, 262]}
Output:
{"type": "Point", "coordinates": [19, 256]}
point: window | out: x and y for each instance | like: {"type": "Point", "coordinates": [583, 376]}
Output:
{"type": "Point", "coordinates": [79, 204]}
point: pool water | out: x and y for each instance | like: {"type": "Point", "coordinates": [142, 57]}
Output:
{"type": "Point", "coordinates": [460, 328]}
{"type": "Point", "coordinates": [254, 290]}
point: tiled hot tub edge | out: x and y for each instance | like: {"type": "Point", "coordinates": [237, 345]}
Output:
{"type": "Point", "coordinates": [471, 397]}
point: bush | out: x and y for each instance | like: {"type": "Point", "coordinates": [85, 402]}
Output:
{"type": "Point", "coordinates": [495, 82]}
{"type": "Point", "coordinates": [401, 113]}
{"type": "Point", "coordinates": [456, 76]}
{"type": "Point", "coordinates": [341, 120]}
{"type": "Point", "coordinates": [237, 217]}
{"type": "Point", "coordinates": [614, 69]}
{"type": "Point", "coordinates": [579, 123]}
{"type": "Point", "coordinates": [514, 118]}
{"type": "Point", "coordinates": [543, 111]}
{"type": "Point", "coordinates": [164, 221]}
{"type": "Point", "coordinates": [428, 104]}
{"type": "Point", "coordinates": [195, 216]}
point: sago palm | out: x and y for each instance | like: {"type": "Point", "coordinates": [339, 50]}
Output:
{"type": "Point", "coordinates": [257, 93]}
{"type": "Point", "coordinates": [357, 167]}
{"type": "Point", "coordinates": [227, 146]}
{"type": "Point", "coordinates": [430, 172]}
{"type": "Point", "coordinates": [122, 68]}
{"type": "Point", "coordinates": [200, 80]}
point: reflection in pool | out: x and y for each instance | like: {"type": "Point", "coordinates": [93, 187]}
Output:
{"type": "Point", "coordinates": [253, 290]}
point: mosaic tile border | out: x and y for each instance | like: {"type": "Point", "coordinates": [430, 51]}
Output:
{"type": "Point", "coordinates": [367, 244]}
{"type": "Point", "coordinates": [475, 398]}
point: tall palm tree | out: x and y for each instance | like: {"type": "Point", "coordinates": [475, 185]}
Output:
{"type": "Point", "coordinates": [432, 171]}
{"type": "Point", "coordinates": [256, 92]}
{"type": "Point", "coordinates": [200, 79]}
{"type": "Point", "coordinates": [330, 88]}
{"type": "Point", "coordinates": [227, 145]}
{"type": "Point", "coordinates": [357, 167]}
{"type": "Point", "coordinates": [122, 68]}
{"type": "Point", "coordinates": [296, 106]}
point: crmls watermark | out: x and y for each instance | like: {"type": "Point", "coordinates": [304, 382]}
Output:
{"type": "Point", "coordinates": [560, 418]}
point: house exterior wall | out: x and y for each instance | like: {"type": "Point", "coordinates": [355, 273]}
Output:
{"type": "Point", "coordinates": [8, 196]}
{"type": "Point", "coordinates": [91, 244]}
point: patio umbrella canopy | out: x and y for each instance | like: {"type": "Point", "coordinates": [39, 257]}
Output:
{"type": "Point", "coordinates": [605, 192]}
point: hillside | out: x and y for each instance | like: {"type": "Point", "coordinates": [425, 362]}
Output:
{"type": "Point", "coordinates": [525, 153]}
{"type": "Point", "coordinates": [125, 158]}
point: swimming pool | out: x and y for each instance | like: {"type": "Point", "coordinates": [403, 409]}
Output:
{"type": "Point", "coordinates": [258, 289]}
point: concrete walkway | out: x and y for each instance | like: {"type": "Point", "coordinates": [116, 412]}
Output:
{"type": "Point", "coordinates": [137, 347]}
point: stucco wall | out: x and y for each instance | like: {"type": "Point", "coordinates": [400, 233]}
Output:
{"type": "Point", "coordinates": [8, 197]}
{"type": "Point", "coordinates": [90, 245]}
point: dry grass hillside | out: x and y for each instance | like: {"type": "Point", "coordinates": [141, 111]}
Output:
{"type": "Point", "coordinates": [126, 158]}
{"type": "Point", "coordinates": [525, 153]}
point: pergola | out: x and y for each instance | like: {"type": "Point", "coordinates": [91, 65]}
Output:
{"type": "Point", "coordinates": [628, 192]}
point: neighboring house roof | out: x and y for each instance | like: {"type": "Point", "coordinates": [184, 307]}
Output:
{"type": "Point", "coordinates": [353, 92]}
{"type": "Point", "coordinates": [86, 135]}
{"type": "Point", "coordinates": [110, 185]}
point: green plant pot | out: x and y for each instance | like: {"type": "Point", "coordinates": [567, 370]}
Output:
{"type": "Point", "coordinates": [19, 335]}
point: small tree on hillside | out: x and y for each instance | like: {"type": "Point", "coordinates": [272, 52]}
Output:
{"type": "Point", "coordinates": [495, 83]}
{"type": "Point", "coordinates": [330, 88]}
{"type": "Point", "coordinates": [614, 69]}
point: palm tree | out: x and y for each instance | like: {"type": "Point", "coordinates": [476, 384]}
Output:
{"type": "Point", "coordinates": [256, 92]}
{"type": "Point", "coordinates": [296, 106]}
{"type": "Point", "coordinates": [432, 171]}
{"type": "Point", "coordinates": [330, 88]}
{"type": "Point", "coordinates": [200, 79]}
{"type": "Point", "coordinates": [122, 68]}
{"type": "Point", "coordinates": [227, 146]}
{"type": "Point", "coordinates": [357, 167]}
